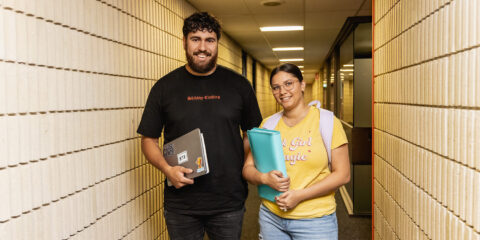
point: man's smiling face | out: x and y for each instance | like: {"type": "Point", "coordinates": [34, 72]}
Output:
{"type": "Point", "coordinates": [201, 49]}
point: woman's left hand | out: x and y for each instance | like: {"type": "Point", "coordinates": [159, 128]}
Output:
{"type": "Point", "coordinates": [288, 200]}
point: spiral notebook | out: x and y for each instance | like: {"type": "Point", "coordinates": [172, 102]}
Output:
{"type": "Point", "coordinates": [267, 151]}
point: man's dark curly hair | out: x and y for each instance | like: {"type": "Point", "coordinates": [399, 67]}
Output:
{"type": "Point", "coordinates": [201, 21]}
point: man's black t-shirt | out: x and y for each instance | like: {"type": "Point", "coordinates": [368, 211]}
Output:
{"type": "Point", "coordinates": [218, 104]}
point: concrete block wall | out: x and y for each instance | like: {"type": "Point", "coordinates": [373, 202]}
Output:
{"type": "Point", "coordinates": [249, 69]}
{"type": "Point", "coordinates": [266, 101]}
{"type": "Point", "coordinates": [317, 90]}
{"type": "Point", "coordinates": [308, 93]}
{"type": "Point", "coordinates": [74, 77]}
{"type": "Point", "coordinates": [230, 54]}
{"type": "Point", "coordinates": [427, 119]}
{"type": "Point", "coordinates": [347, 101]}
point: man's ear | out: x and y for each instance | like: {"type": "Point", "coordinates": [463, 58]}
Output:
{"type": "Point", "coordinates": [184, 43]}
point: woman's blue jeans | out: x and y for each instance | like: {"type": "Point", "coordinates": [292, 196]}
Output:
{"type": "Point", "coordinates": [273, 227]}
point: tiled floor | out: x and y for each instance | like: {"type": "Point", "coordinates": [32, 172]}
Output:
{"type": "Point", "coordinates": [352, 227]}
{"type": "Point", "coordinates": [250, 228]}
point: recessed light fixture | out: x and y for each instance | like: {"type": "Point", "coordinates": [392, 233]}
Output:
{"type": "Point", "coordinates": [272, 3]}
{"type": "Point", "coordinates": [281, 28]}
{"type": "Point", "coordinates": [302, 71]}
{"type": "Point", "coordinates": [291, 60]}
{"type": "Point", "coordinates": [348, 65]}
{"type": "Point", "coordinates": [288, 49]}
{"type": "Point", "coordinates": [346, 70]}
{"type": "Point", "coordinates": [300, 66]}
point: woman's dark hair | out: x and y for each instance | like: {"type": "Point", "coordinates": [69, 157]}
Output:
{"type": "Point", "coordinates": [288, 68]}
{"type": "Point", "coordinates": [201, 21]}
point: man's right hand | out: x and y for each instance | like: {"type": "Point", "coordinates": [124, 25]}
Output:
{"type": "Point", "coordinates": [176, 175]}
{"type": "Point", "coordinates": [275, 180]}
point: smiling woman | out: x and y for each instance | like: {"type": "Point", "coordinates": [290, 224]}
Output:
{"type": "Point", "coordinates": [314, 171]}
{"type": "Point", "coordinates": [283, 80]}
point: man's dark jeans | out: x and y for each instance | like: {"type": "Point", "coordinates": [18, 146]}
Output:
{"type": "Point", "coordinates": [225, 226]}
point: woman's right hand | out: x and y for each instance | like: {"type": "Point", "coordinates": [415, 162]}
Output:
{"type": "Point", "coordinates": [275, 180]}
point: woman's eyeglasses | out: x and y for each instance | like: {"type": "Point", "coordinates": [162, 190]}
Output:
{"type": "Point", "coordinates": [288, 85]}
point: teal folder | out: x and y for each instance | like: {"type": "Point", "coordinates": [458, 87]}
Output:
{"type": "Point", "coordinates": [267, 150]}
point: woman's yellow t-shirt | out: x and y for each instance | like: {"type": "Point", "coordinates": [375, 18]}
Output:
{"type": "Point", "coordinates": [306, 161]}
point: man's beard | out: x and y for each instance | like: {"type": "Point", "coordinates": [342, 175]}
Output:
{"type": "Point", "coordinates": [201, 68]}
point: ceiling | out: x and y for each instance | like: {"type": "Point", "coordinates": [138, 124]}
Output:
{"type": "Point", "coordinates": [322, 21]}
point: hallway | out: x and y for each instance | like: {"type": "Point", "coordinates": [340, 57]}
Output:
{"type": "Point", "coordinates": [402, 76]}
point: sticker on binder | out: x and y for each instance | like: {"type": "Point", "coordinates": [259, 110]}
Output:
{"type": "Point", "coordinates": [168, 150]}
{"type": "Point", "coordinates": [182, 157]}
{"type": "Point", "coordinates": [200, 167]}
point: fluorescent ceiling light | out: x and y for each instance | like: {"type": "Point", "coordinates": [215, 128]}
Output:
{"type": "Point", "coordinates": [288, 49]}
{"type": "Point", "coordinates": [346, 70]}
{"type": "Point", "coordinates": [281, 28]}
{"type": "Point", "coordinates": [291, 60]}
{"type": "Point", "coordinates": [300, 66]}
{"type": "Point", "coordinates": [348, 65]}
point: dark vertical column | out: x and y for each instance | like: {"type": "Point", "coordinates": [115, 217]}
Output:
{"type": "Point", "coordinates": [328, 91]}
{"type": "Point", "coordinates": [337, 85]}
{"type": "Point", "coordinates": [244, 64]}
{"type": "Point", "coordinates": [254, 75]}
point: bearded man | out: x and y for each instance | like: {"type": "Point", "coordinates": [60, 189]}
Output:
{"type": "Point", "coordinates": [217, 100]}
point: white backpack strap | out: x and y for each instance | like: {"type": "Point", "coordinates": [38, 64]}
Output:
{"type": "Point", "coordinates": [272, 121]}
{"type": "Point", "coordinates": [317, 104]}
{"type": "Point", "coordinates": [326, 130]}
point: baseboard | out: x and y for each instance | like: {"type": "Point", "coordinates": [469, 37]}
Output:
{"type": "Point", "coordinates": [347, 200]}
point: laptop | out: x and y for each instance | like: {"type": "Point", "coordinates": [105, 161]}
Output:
{"type": "Point", "coordinates": [188, 151]}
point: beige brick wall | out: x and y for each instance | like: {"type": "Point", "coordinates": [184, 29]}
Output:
{"type": "Point", "coordinates": [74, 77]}
{"type": "Point", "coordinates": [347, 101]}
{"type": "Point", "coordinates": [266, 101]}
{"type": "Point", "coordinates": [308, 93]}
{"type": "Point", "coordinates": [427, 119]}
{"type": "Point", "coordinates": [230, 54]}
{"type": "Point", "coordinates": [249, 69]}
{"type": "Point", "coordinates": [317, 90]}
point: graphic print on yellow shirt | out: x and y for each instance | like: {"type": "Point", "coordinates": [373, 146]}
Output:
{"type": "Point", "coordinates": [306, 161]}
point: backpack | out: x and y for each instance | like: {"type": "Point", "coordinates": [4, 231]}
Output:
{"type": "Point", "coordinates": [325, 126]}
